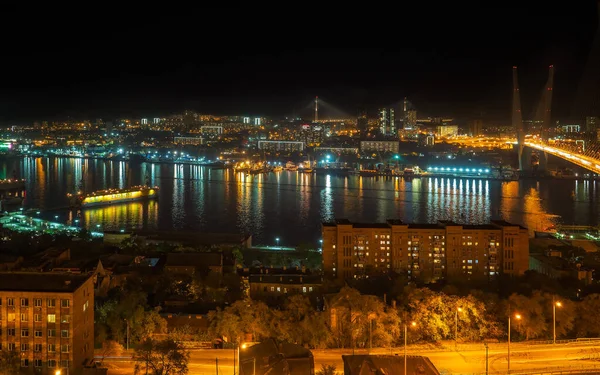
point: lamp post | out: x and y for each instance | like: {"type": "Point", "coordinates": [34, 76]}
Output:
{"type": "Point", "coordinates": [458, 309]}
{"type": "Point", "coordinates": [554, 306]}
{"type": "Point", "coordinates": [406, 341]}
{"type": "Point", "coordinates": [127, 321]}
{"type": "Point", "coordinates": [518, 317]}
{"type": "Point", "coordinates": [277, 241]}
{"type": "Point", "coordinates": [486, 358]}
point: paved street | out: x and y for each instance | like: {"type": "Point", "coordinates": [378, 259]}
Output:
{"type": "Point", "coordinates": [467, 360]}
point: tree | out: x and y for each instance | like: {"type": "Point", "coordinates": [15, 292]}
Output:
{"type": "Point", "coordinates": [327, 370]}
{"type": "Point", "coordinates": [127, 306]}
{"type": "Point", "coordinates": [166, 357]}
{"type": "Point", "coordinates": [533, 322]}
{"type": "Point", "coordinates": [360, 319]}
{"type": "Point", "coordinates": [588, 319]}
{"type": "Point", "coordinates": [110, 348]}
{"type": "Point", "coordinates": [241, 318]}
{"type": "Point", "coordinates": [301, 324]}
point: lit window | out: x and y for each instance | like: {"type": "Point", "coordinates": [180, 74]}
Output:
{"type": "Point", "coordinates": [51, 318]}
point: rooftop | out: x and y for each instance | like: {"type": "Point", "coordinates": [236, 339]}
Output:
{"type": "Point", "coordinates": [441, 224]}
{"type": "Point", "coordinates": [286, 279]}
{"type": "Point", "coordinates": [40, 282]}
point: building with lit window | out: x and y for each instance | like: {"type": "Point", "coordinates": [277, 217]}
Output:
{"type": "Point", "coordinates": [278, 286]}
{"type": "Point", "coordinates": [380, 146]}
{"type": "Point", "coordinates": [426, 252]}
{"type": "Point", "coordinates": [289, 146]}
{"type": "Point", "coordinates": [445, 131]}
{"type": "Point", "coordinates": [387, 124]}
{"type": "Point", "coordinates": [48, 319]}
{"type": "Point", "coordinates": [188, 140]}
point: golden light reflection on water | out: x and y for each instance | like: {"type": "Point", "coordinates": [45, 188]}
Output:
{"type": "Point", "coordinates": [194, 197]}
{"type": "Point", "coordinates": [524, 205]}
{"type": "Point", "coordinates": [135, 215]}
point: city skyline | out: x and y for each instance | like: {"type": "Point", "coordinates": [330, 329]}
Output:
{"type": "Point", "coordinates": [437, 61]}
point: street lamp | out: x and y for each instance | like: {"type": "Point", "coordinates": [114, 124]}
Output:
{"type": "Point", "coordinates": [458, 309]}
{"type": "Point", "coordinates": [412, 324]}
{"type": "Point", "coordinates": [277, 241]}
{"type": "Point", "coordinates": [554, 306]}
{"type": "Point", "coordinates": [518, 317]}
{"type": "Point", "coordinates": [244, 346]}
{"type": "Point", "coordinates": [57, 372]}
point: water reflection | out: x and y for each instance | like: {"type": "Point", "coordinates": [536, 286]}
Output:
{"type": "Point", "coordinates": [292, 205]}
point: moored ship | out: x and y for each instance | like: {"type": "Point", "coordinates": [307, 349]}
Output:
{"type": "Point", "coordinates": [114, 196]}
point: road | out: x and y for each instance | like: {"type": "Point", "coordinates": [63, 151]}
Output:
{"type": "Point", "coordinates": [466, 360]}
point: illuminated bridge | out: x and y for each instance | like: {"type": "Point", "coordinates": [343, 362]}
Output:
{"type": "Point", "coordinates": [575, 153]}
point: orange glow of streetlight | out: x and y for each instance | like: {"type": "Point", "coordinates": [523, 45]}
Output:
{"type": "Point", "coordinates": [460, 309]}
{"type": "Point", "coordinates": [558, 304]}
{"type": "Point", "coordinates": [414, 324]}
{"type": "Point", "coordinates": [518, 316]}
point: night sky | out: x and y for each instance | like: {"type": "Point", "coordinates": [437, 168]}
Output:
{"type": "Point", "coordinates": [454, 62]}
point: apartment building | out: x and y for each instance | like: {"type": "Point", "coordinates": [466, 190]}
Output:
{"type": "Point", "coordinates": [48, 319]}
{"type": "Point", "coordinates": [426, 252]}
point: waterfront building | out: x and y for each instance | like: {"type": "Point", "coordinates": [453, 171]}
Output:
{"type": "Point", "coordinates": [426, 252]}
{"type": "Point", "coordinates": [380, 146]}
{"type": "Point", "coordinates": [48, 319]}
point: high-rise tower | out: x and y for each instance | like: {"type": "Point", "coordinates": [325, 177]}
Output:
{"type": "Point", "coordinates": [316, 108]}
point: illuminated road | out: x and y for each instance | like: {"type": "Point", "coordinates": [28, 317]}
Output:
{"type": "Point", "coordinates": [524, 358]}
{"type": "Point", "coordinates": [585, 161]}
{"type": "Point", "coordinates": [589, 163]}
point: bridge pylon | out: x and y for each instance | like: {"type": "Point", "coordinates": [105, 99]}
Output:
{"type": "Point", "coordinates": [517, 117]}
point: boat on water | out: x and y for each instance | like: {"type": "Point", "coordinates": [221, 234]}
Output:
{"type": "Point", "coordinates": [408, 173]}
{"type": "Point", "coordinates": [277, 168]}
{"type": "Point", "coordinates": [368, 172]}
{"type": "Point", "coordinates": [113, 196]}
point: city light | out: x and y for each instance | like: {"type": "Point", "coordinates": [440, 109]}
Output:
{"type": "Point", "coordinates": [459, 169]}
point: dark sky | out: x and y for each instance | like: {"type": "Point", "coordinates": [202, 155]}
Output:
{"type": "Point", "coordinates": [453, 61]}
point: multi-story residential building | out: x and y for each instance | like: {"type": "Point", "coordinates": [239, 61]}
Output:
{"type": "Point", "coordinates": [426, 252]}
{"type": "Point", "coordinates": [48, 319]}
{"type": "Point", "coordinates": [269, 287]}
{"type": "Point", "coordinates": [380, 146]}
